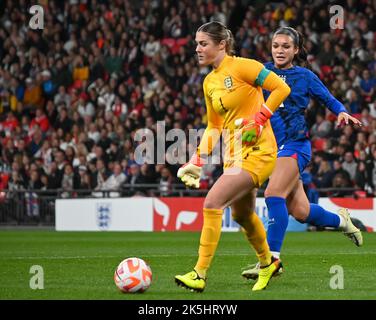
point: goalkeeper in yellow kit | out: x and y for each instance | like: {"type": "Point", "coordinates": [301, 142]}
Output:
{"type": "Point", "coordinates": [235, 103]}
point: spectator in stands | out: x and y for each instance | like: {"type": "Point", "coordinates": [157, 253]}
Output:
{"type": "Point", "coordinates": [80, 70]}
{"type": "Point", "coordinates": [340, 182]}
{"type": "Point", "coordinates": [41, 120]}
{"type": "Point", "coordinates": [8, 126]}
{"type": "Point", "coordinates": [63, 121]}
{"type": "Point", "coordinates": [324, 175]}
{"type": "Point", "coordinates": [152, 47]}
{"type": "Point", "coordinates": [114, 153]}
{"type": "Point", "coordinates": [367, 119]}
{"type": "Point", "coordinates": [59, 159]}
{"type": "Point", "coordinates": [16, 181]}
{"type": "Point", "coordinates": [100, 175]}
{"type": "Point", "coordinates": [33, 95]}
{"type": "Point", "coordinates": [165, 182]}
{"type": "Point", "coordinates": [48, 88]}
{"type": "Point", "coordinates": [118, 108]}
{"type": "Point", "coordinates": [113, 62]}
{"type": "Point", "coordinates": [44, 182]}
{"type": "Point", "coordinates": [93, 132]}
{"type": "Point", "coordinates": [362, 176]}
{"type": "Point", "coordinates": [70, 181]}
{"type": "Point", "coordinates": [326, 54]}
{"type": "Point", "coordinates": [85, 108]}
{"type": "Point", "coordinates": [115, 180]}
{"type": "Point", "coordinates": [367, 85]}
{"type": "Point", "coordinates": [34, 182]}
{"type": "Point", "coordinates": [337, 168]}
{"type": "Point", "coordinates": [350, 165]}
{"type": "Point", "coordinates": [134, 176]}
{"type": "Point", "coordinates": [350, 136]}
{"type": "Point", "coordinates": [36, 140]}
{"type": "Point", "coordinates": [321, 128]}
{"type": "Point", "coordinates": [353, 101]}
{"type": "Point", "coordinates": [85, 181]}
{"type": "Point", "coordinates": [62, 98]}
{"type": "Point", "coordinates": [55, 176]}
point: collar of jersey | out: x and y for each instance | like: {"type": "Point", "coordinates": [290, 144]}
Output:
{"type": "Point", "coordinates": [223, 63]}
{"type": "Point", "coordinates": [293, 68]}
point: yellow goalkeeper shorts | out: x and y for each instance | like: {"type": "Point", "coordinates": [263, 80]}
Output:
{"type": "Point", "coordinates": [258, 160]}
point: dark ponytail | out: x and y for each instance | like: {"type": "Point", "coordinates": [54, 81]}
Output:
{"type": "Point", "coordinates": [298, 40]}
{"type": "Point", "coordinates": [302, 53]}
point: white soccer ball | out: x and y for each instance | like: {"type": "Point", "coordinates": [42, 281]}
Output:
{"type": "Point", "coordinates": [133, 275]}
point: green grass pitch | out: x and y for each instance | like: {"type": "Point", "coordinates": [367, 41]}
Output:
{"type": "Point", "coordinates": [80, 265]}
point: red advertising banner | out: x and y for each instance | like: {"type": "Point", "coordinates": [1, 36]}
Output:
{"type": "Point", "coordinates": [177, 214]}
{"type": "Point", "coordinates": [362, 209]}
{"type": "Point", "coordinates": [185, 214]}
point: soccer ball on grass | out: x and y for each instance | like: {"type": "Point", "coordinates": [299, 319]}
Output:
{"type": "Point", "coordinates": [133, 275]}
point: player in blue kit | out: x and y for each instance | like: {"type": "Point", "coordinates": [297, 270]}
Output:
{"type": "Point", "coordinates": [284, 193]}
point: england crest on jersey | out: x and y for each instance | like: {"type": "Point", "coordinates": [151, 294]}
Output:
{"type": "Point", "coordinates": [228, 83]}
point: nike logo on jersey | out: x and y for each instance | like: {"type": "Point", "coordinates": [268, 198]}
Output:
{"type": "Point", "coordinates": [280, 149]}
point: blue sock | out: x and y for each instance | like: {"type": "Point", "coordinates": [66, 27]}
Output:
{"type": "Point", "coordinates": [278, 221]}
{"type": "Point", "coordinates": [318, 216]}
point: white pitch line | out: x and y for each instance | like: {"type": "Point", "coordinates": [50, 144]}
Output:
{"type": "Point", "coordinates": [177, 255]}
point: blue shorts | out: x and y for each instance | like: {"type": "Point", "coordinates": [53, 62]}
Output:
{"type": "Point", "coordinates": [299, 150]}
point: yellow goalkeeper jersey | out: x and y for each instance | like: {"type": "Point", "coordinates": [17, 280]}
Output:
{"type": "Point", "coordinates": [234, 90]}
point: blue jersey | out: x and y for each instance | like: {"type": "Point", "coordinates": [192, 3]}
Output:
{"type": "Point", "coordinates": [288, 121]}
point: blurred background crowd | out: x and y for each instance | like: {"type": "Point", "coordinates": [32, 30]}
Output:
{"type": "Point", "coordinates": [73, 94]}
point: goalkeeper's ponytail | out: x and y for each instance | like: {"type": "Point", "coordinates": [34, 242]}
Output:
{"type": "Point", "coordinates": [230, 43]}
{"type": "Point", "coordinates": [298, 41]}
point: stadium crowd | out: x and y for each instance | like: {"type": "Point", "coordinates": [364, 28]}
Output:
{"type": "Point", "coordinates": [73, 94]}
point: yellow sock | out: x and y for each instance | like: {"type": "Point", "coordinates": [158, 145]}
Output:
{"type": "Point", "coordinates": [254, 230]}
{"type": "Point", "coordinates": [210, 234]}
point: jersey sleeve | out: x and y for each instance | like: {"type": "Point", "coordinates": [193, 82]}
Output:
{"type": "Point", "coordinates": [255, 73]}
{"type": "Point", "coordinates": [251, 71]}
{"type": "Point", "coordinates": [279, 91]}
{"type": "Point", "coordinates": [318, 91]}
{"type": "Point", "coordinates": [213, 130]}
